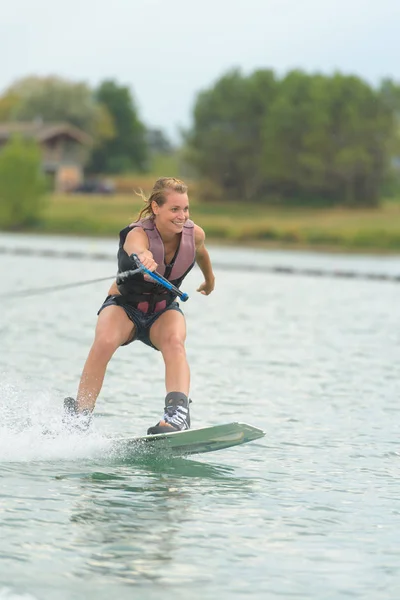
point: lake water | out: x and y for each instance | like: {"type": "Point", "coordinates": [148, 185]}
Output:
{"type": "Point", "coordinates": [311, 511]}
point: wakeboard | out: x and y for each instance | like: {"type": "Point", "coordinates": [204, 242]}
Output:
{"type": "Point", "coordinates": [192, 441]}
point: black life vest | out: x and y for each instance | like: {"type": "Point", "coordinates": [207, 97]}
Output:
{"type": "Point", "coordinates": [145, 295]}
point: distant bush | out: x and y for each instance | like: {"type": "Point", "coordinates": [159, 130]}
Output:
{"type": "Point", "coordinates": [22, 184]}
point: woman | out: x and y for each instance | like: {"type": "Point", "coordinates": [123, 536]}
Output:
{"type": "Point", "coordinates": [163, 238]}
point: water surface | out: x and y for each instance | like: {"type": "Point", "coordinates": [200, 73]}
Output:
{"type": "Point", "coordinates": [311, 511]}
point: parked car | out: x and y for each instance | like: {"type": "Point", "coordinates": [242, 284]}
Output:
{"type": "Point", "coordinates": [92, 186]}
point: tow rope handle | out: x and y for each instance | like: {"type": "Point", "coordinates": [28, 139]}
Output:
{"type": "Point", "coordinates": [159, 278]}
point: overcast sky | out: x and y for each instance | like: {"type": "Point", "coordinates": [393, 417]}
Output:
{"type": "Point", "coordinates": [168, 50]}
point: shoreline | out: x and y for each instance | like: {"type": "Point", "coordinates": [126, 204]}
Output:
{"type": "Point", "coordinates": [226, 224]}
{"type": "Point", "coordinates": [227, 243]}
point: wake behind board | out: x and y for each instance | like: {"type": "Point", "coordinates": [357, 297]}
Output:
{"type": "Point", "coordinates": [194, 441]}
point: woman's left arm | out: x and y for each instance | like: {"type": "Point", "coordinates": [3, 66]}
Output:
{"type": "Point", "coordinates": [204, 262]}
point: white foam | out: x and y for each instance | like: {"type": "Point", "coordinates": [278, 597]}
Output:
{"type": "Point", "coordinates": [32, 445]}
{"type": "Point", "coordinates": [31, 429]}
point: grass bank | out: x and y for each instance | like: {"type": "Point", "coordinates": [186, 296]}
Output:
{"type": "Point", "coordinates": [368, 230]}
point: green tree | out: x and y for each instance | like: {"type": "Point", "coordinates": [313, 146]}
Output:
{"type": "Point", "coordinates": [225, 142]}
{"type": "Point", "coordinates": [343, 146]}
{"type": "Point", "coordinates": [128, 149]}
{"type": "Point", "coordinates": [289, 120]}
{"type": "Point", "coordinates": [304, 138]}
{"type": "Point", "coordinates": [57, 99]}
{"type": "Point", "coordinates": [390, 92]}
{"type": "Point", "coordinates": [22, 184]}
{"type": "Point", "coordinates": [8, 103]}
{"type": "Point", "coordinates": [158, 142]}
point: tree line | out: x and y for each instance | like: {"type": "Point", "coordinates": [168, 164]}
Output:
{"type": "Point", "coordinates": [300, 139]}
{"type": "Point", "coordinates": [297, 139]}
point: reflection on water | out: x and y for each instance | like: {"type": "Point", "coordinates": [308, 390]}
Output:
{"type": "Point", "coordinates": [158, 465]}
{"type": "Point", "coordinates": [136, 515]}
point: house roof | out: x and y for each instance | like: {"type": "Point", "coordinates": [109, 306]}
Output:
{"type": "Point", "coordinates": [43, 131]}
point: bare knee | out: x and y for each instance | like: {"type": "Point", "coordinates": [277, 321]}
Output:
{"type": "Point", "coordinates": [173, 345]}
{"type": "Point", "coordinates": [105, 344]}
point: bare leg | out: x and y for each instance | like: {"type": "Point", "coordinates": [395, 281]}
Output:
{"type": "Point", "coordinates": [113, 329]}
{"type": "Point", "coordinates": [168, 334]}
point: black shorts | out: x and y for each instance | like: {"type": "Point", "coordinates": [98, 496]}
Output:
{"type": "Point", "coordinates": [142, 321]}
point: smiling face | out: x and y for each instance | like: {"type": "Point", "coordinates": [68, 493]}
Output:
{"type": "Point", "coordinates": [171, 216]}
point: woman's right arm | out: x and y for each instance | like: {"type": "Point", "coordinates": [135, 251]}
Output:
{"type": "Point", "coordinates": [137, 242]}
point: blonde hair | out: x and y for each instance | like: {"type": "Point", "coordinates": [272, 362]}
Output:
{"type": "Point", "coordinates": [159, 194]}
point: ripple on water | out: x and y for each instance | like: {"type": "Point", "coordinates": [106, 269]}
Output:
{"type": "Point", "coordinates": [311, 511]}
